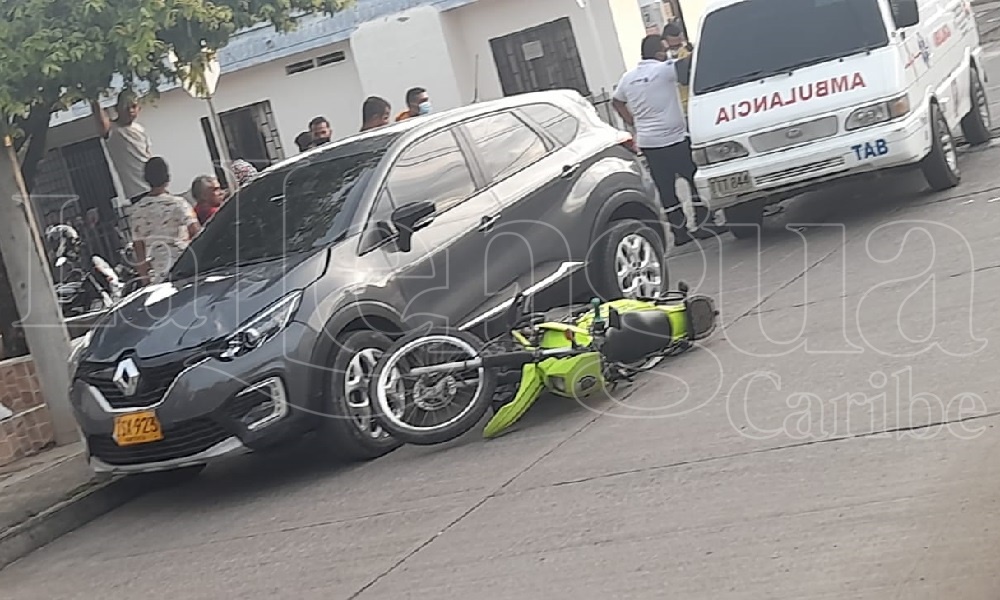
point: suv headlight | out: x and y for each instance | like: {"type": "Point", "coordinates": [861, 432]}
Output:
{"type": "Point", "coordinates": [874, 114]}
{"type": "Point", "coordinates": [718, 153]}
{"type": "Point", "coordinates": [262, 327]}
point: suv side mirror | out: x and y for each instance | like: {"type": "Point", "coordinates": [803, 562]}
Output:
{"type": "Point", "coordinates": [410, 218]}
{"type": "Point", "coordinates": [906, 13]}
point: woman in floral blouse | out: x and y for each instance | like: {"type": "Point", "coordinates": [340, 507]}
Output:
{"type": "Point", "coordinates": [162, 225]}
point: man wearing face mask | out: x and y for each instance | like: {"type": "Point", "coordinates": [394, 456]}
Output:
{"type": "Point", "coordinates": [678, 48]}
{"type": "Point", "coordinates": [417, 103]}
{"type": "Point", "coordinates": [647, 99]}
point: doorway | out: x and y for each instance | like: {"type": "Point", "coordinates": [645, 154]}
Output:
{"type": "Point", "coordinates": [251, 134]}
{"type": "Point", "coordinates": [544, 57]}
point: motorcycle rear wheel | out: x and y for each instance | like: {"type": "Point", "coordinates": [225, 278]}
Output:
{"type": "Point", "coordinates": [432, 408]}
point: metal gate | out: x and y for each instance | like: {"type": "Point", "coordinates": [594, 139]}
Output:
{"type": "Point", "coordinates": [544, 57]}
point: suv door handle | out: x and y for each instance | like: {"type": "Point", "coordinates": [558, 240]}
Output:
{"type": "Point", "coordinates": [570, 170]}
{"type": "Point", "coordinates": [488, 222]}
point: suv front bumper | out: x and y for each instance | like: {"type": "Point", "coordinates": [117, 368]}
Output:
{"type": "Point", "coordinates": [208, 410]}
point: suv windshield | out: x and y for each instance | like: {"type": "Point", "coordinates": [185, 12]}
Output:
{"type": "Point", "coordinates": [758, 38]}
{"type": "Point", "coordinates": [296, 209]}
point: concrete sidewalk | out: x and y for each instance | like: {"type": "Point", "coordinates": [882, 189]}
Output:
{"type": "Point", "coordinates": [50, 494]}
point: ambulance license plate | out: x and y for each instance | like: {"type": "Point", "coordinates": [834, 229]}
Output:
{"type": "Point", "coordinates": [731, 185]}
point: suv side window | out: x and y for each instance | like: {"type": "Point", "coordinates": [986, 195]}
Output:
{"type": "Point", "coordinates": [505, 143]}
{"type": "Point", "coordinates": [433, 169]}
{"type": "Point", "coordinates": [560, 124]}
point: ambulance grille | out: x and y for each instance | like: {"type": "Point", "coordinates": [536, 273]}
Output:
{"type": "Point", "coordinates": [824, 167]}
{"type": "Point", "coordinates": [795, 135]}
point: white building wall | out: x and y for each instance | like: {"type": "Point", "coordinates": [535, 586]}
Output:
{"type": "Point", "coordinates": [693, 11]}
{"type": "Point", "coordinates": [629, 29]}
{"type": "Point", "coordinates": [407, 50]}
{"type": "Point", "coordinates": [471, 27]}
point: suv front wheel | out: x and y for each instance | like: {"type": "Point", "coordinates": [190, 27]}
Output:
{"type": "Point", "coordinates": [348, 425]}
{"type": "Point", "coordinates": [628, 261]}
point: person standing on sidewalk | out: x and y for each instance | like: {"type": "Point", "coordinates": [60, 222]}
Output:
{"type": "Point", "coordinates": [375, 113]}
{"type": "Point", "coordinates": [321, 132]}
{"type": "Point", "coordinates": [162, 224]}
{"type": "Point", "coordinates": [208, 196]}
{"type": "Point", "coordinates": [418, 102]}
{"type": "Point", "coordinates": [128, 143]}
{"type": "Point", "coordinates": [678, 48]}
{"type": "Point", "coordinates": [648, 100]}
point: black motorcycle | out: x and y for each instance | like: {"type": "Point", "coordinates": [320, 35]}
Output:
{"type": "Point", "coordinates": [82, 286]}
{"type": "Point", "coordinates": [126, 271]}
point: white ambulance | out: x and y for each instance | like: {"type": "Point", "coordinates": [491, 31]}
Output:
{"type": "Point", "coordinates": [787, 95]}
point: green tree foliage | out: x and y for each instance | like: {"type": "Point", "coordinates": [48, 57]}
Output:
{"type": "Point", "coordinates": [54, 53]}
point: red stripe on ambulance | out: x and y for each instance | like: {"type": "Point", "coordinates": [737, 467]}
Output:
{"type": "Point", "coordinates": [802, 93]}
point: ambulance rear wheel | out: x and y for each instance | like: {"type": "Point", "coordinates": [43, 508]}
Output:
{"type": "Point", "coordinates": [940, 167]}
{"type": "Point", "coordinates": [976, 125]}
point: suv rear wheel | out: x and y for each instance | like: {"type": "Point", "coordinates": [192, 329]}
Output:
{"type": "Point", "coordinates": [628, 262]}
{"type": "Point", "coordinates": [349, 427]}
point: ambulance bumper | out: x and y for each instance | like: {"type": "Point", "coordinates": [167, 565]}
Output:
{"type": "Point", "coordinates": [787, 173]}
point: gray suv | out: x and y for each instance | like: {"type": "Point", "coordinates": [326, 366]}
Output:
{"type": "Point", "coordinates": [274, 316]}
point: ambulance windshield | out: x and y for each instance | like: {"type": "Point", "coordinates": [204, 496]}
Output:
{"type": "Point", "coordinates": [754, 39]}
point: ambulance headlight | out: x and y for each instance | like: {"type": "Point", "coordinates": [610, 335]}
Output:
{"type": "Point", "coordinates": [719, 153]}
{"type": "Point", "coordinates": [875, 114]}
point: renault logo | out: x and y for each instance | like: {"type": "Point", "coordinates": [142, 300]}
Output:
{"type": "Point", "coordinates": [794, 133]}
{"type": "Point", "coordinates": [126, 377]}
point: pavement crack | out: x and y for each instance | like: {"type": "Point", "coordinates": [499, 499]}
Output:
{"type": "Point", "coordinates": [494, 494]}
{"type": "Point", "coordinates": [757, 306]}
{"type": "Point", "coordinates": [971, 271]}
{"type": "Point", "coordinates": [783, 447]}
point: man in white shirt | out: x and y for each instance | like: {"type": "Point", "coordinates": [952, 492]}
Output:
{"type": "Point", "coordinates": [648, 99]}
{"type": "Point", "coordinates": [128, 144]}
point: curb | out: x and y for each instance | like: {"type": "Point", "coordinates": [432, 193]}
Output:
{"type": "Point", "coordinates": [79, 508]}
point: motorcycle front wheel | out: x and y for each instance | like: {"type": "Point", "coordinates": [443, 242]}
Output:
{"type": "Point", "coordinates": [436, 407]}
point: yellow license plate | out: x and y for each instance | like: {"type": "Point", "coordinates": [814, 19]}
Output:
{"type": "Point", "coordinates": [137, 428]}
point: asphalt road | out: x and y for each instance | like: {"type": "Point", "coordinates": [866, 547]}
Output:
{"type": "Point", "coordinates": [836, 440]}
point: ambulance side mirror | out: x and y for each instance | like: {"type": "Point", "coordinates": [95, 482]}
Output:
{"type": "Point", "coordinates": [906, 13]}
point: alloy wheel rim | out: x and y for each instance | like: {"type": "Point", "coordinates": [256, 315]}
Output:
{"type": "Point", "coordinates": [356, 378]}
{"type": "Point", "coordinates": [637, 267]}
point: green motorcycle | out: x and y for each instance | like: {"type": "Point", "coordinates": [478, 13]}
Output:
{"type": "Point", "coordinates": [433, 386]}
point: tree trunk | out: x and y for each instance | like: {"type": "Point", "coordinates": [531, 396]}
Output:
{"type": "Point", "coordinates": [14, 342]}
{"type": "Point", "coordinates": [36, 127]}
{"type": "Point", "coordinates": [28, 270]}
